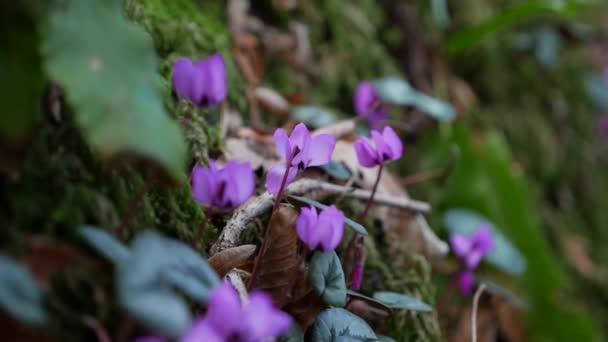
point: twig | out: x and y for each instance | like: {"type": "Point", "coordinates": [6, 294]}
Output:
{"type": "Point", "coordinates": [247, 213]}
{"type": "Point", "coordinates": [474, 314]}
{"type": "Point", "coordinates": [100, 332]}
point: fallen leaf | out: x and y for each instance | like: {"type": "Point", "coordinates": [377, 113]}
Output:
{"type": "Point", "coordinates": [280, 262]}
{"type": "Point", "coordinates": [271, 100]}
{"type": "Point", "coordinates": [375, 315]}
{"type": "Point", "coordinates": [576, 252]}
{"type": "Point", "coordinates": [224, 261]}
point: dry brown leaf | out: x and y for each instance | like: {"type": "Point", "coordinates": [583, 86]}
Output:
{"type": "Point", "coordinates": [304, 305]}
{"type": "Point", "coordinates": [224, 261]}
{"type": "Point", "coordinates": [280, 262]}
{"type": "Point", "coordinates": [248, 53]}
{"type": "Point", "coordinates": [11, 330]}
{"type": "Point", "coordinates": [271, 100]}
{"type": "Point", "coordinates": [46, 257]}
{"type": "Point", "coordinates": [375, 315]}
{"type": "Point", "coordinates": [575, 250]}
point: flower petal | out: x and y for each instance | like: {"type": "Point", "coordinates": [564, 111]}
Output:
{"type": "Point", "coordinates": [305, 226]}
{"type": "Point", "coordinates": [365, 153]}
{"type": "Point", "coordinates": [466, 282]}
{"type": "Point", "coordinates": [331, 227]}
{"type": "Point", "coordinates": [282, 143]}
{"type": "Point", "coordinates": [460, 244]}
{"type": "Point", "coordinates": [217, 81]}
{"type": "Point", "coordinates": [224, 312]}
{"type": "Point", "coordinates": [241, 182]}
{"type": "Point", "coordinates": [483, 240]}
{"type": "Point", "coordinates": [473, 259]}
{"type": "Point", "coordinates": [204, 185]}
{"type": "Point", "coordinates": [184, 73]}
{"type": "Point", "coordinates": [393, 141]}
{"type": "Point", "coordinates": [275, 177]}
{"type": "Point", "coordinates": [321, 148]}
{"type": "Point", "coordinates": [300, 136]}
{"type": "Point", "coordinates": [262, 320]}
{"type": "Point", "coordinates": [365, 95]}
{"type": "Point", "coordinates": [383, 150]}
{"type": "Point", "coordinates": [202, 330]}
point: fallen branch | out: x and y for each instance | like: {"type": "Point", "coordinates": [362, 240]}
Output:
{"type": "Point", "coordinates": [231, 233]}
{"type": "Point", "coordinates": [474, 313]}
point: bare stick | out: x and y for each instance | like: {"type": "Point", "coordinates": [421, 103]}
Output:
{"type": "Point", "coordinates": [474, 315]}
{"type": "Point", "coordinates": [261, 204]}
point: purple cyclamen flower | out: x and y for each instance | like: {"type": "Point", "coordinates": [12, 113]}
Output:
{"type": "Point", "coordinates": [204, 83]}
{"type": "Point", "coordinates": [223, 189]}
{"type": "Point", "coordinates": [370, 106]}
{"type": "Point", "coordinates": [383, 147]}
{"type": "Point", "coordinates": [473, 248]}
{"type": "Point", "coordinates": [322, 231]}
{"type": "Point", "coordinates": [300, 150]}
{"type": "Point", "coordinates": [227, 320]}
{"type": "Point", "coordinates": [466, 282]}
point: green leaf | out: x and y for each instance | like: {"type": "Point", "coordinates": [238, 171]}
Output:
{"type": "Point", "coordinates": [105, 244]}
{"type": "Point", "coordinates": [397, 91]}
{"type": "Point", "coordinates": [109, 71]}
{"type": "Point", "coordinates": [369, 299]}
{"type": "Point", "coordinates": [468, 38]}
{"type": "Point", "coordinates": [337, 170]}
{"type": "Point", "coordinates": [313, 116]}
{"type": "Point", "coordinates": [485, 181]}
{"type": "Point", "coordinates": [327, 278]}
{"type": "Point", "coordinates": [382, 338]}
{"type": "Point", "coordinates": [350, 223]}
{"type": "Point", "coordinates": [20, 296]}
{"type": "Point", "coordinates": [294, 334]}
{"type": "Point", "coordinates": [337, 324]}
{"type": "Point", "coordinates": [505, 256]}
{"type": "Point", "coordinates": [150, 272]}
{"type": "Point", "coordinates": [401, 301]}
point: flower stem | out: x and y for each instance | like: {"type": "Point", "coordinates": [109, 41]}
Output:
{"type": "Point", "coordinates": [201, 230]}
{"type": "Point", "coordinates": [277, 203]}
{"type": "Point", "coordinates": [373, 194]}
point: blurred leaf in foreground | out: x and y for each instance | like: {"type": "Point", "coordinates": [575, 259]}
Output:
{"type": "Point", "coordinates": [108, 68]}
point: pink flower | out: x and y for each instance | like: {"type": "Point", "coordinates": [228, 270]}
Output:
{"type": "Point", "coordinates": [224, 189]}
{"type": "Point", "coordinates": [466, 282]}
{"type": "Point", "coordinates": [227, 320]}
{"type": "Point", "coordinates": [370, 106]}
{"type": "Point", "coordinates": [383, 147]}
{"type": "Point", "coordinates": [472, 249]}
{"type": "Point", "coordinates": [204, 83]}
{"type": "Point", "coordinates": [323, 231]}
{"type": "Point", "coordinates": [299, 151]}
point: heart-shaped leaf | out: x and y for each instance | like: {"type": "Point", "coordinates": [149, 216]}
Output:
{"type": "Point", "coordinates": [108, 68]}
{"type": "Point", "coordinates": [401, 301]}
{"type": "Point", "coordinates": [19, 294]}
{"type": "Point", "coordinates": [337, 170]}
{"type": "Point", "coordinates": [327, 278]}
{"type": "Point", "coordinates": [505, 255]}
{"type": "Point", "coordinates": [313, 116]}
{"type": "Point", "coordinates": [350, 223]}
{"type": "Point", "coordinates": [397, 91]}
{"type": "Point", "coordinates": [294, 334]}
{"type": "Point", "coordinates": [105, 244]}
{"type": "Point", "coordinates": [337, 324]}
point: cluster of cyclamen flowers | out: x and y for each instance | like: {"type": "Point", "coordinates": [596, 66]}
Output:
{"type": "Point", "coordinates": [471, 250]}
{"type": "Point", "coordinates": [229, 320]}
{"type": "Point", "coordinates": [225, 188]}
